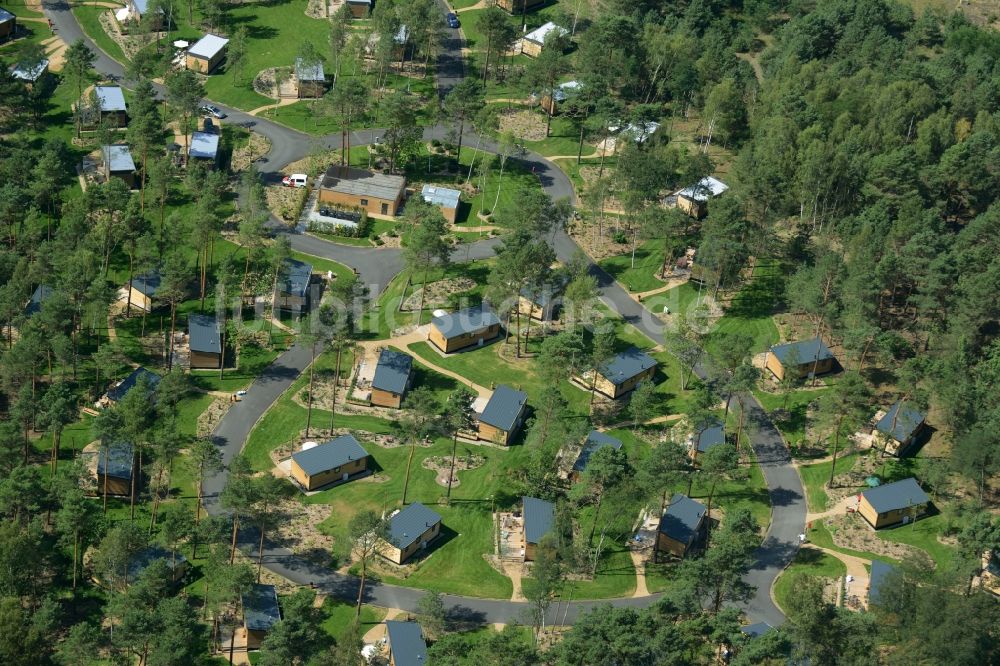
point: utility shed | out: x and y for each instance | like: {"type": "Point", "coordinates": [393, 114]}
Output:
{"type": "Point", "coordinates": [503, 415]}
{"type": "Point", "coordinates": [410, 530]}
{"type": "Point", "coordinates": [260, 613]}
{"type": "Point", "coordinates": [624, 371]}
{"type": "Point", "coordinates": [205, 341]}
{"type": "Point", "coordinates": [894, 503]}
{"type": "Point", "coordinates": [335, 461]}
{"type": "Point", "coordinates": [115, 466]}
{"type": "Point", "coordinates": [118, 163]}
{"type": "Point", "coordinates": [899, 428]}
{"type": "Point", "coordinates": [391, 379]}
{"type": "Point", "coordinates": [539, 516]}
{"type": "Point", "coordinates": [406, 644]}
{"type": "Point", "coordinates": [293, 286]}
{"type": "Point", "coordinates": [681, 526]}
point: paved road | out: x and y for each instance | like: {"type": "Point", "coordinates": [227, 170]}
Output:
{"type": "Point", "coordinates": [376, 267]}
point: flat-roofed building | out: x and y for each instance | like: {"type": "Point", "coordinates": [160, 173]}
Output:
{"type": "Point", "coordinates": [204, 148]}
{"type": "Point", "coordinates": [310, 79]}
{"type": "Point", "coordinates": [376, 193]}
{"type": "Point", "coordinates": [206, 54]}
{"type": "Point", "coordinates": [446, 199]}
{"type": "Point", "coordinates": [118, 163]}
{"type": "Point", "coordinates": [111, 105]}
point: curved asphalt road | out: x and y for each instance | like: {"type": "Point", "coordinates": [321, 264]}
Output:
{"type": "Point", "coordinates": [376, 268]}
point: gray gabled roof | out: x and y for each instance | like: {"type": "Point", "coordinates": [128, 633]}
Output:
{"type": "Point", "coordinates": [626, 365]}
{"type": "Point", "coordinates": [313, 72]}
{"type": "Point", "coordinates": [147, 284]}
{"type": "Point", "coordinates": [407, 525]}
{"type": "Point", "coordinates": [141, 561]}
{"type": "Point", "coordinates": [806, 351]}
{"type": "Point", "coordinates": [204, 334]}
{"type": "Point", "coordinates": [260, 607]}
{"type": "Point", "coordinates": [440, 196]}
{"type": "Point", "coordinates": [362, 183]}
{"type": "Point", "coordinates": [504, 407]}
{"type": "Point", "coordinates": [392, 371]}
{"type": "Point", "coordinates": [704, 189]}
{"type": "Point", "coordinates": [539, 516]}
{"type": "Point", "coordinates": [595, 440]}
{"type": "Point", "coordinates": [756, 629]}
{"type": "Point", "coordinates": [406, 642]}
{"type": "Point", "coordinates": [39, 296]}
{"type": "Point", "coordinates": [30, 74]}
{"type": "Point", "coordinates": [682, 519]}
{"type": "Point", "coordinates": [5, 15]}
{"type": "Point", "coordinates": [465, 321]}
{"type": "Point", "coordinates": [711, 436]}
{"type": "Point", "coordinates": [119, 392]}
{"type": "Point", "coordinates": [204, 145]}
{"type": "Point", "coordinates": [110, 98]}
{"type": "Point", "coordinates": [899, 495]}
{"type": "Point", "coordinates": [208, 46]}
{"type": "Point", "coordinates": [118, 158]}
{"type": "Point", "coordinates": [332, 454]}
{"type": "Point", "coordinates": [115, 460]}
{"type": "Point", "coordinates": [907, 421]}
{"type": "Point", "coordinates": [880, 571]}
{"type": "Point", "coordinates": [296, 278]}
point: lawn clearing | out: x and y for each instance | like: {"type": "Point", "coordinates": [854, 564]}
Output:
{"type": "Point", "coordinates": [807, 562]}
{"type": "Point", "coordinates": [815, 477]}
{"type": "Point", "coordinates": [642, 275]}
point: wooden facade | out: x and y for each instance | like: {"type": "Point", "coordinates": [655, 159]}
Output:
{"type": "Point", "coordinates": [489, 433]}
{"type": "Point", "coordinates": [399, 556]}
{"type": "Point", "coordinates": [372, 204]}
{"type": "Point", "coordinates": [519, 6]}
{"type": "Point", "coordinates": [342, 473]}
{"type": "Point", "coordinates": [774, 364]}
{"type": "Point", "coordinates": [359, 8]}
{"type": "Point", "coordinates": [448, 345]}
{"type": "Point", "coordinates": [205, 360]}
{"type": "Point", "coordinates": [381, 398]}
{"type": "Point", "coordinates": [889, 518]}
{"type": "Point", "coordinates": [8, 25]}
{"type": "Point", "coordinates": [357, 189]}
{"type": "Point", "coordinates": [616, 391]}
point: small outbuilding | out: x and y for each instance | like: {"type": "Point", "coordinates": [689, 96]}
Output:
{"type": "Point", "coordinates": [111, 105]}
{"type": "Point", "coordinates": [204, 148]}
{"type": "Point", "coordinates": [207, 53]}
{"type": "Point", "coordinates": [624, 371]}
{"type": "Point", "coordinates": [595, 441]}
{"type": "Point", "coordinates": [122, 388]}
{"type": "Point", "coordinates": [393, 374]}
{"type": "Point", "coordinates": [542, 302]}
{"type": "Point", "coordinates": [682, 526]}
{"type": "Point", "coordinates": [693, 200]}
{"type": "Point", "coordinates": [533, 42]}
{"type": "Point", "coordinates": [896, 503]}
{"type": "Point", "coordinates": [260, 613]}
{"type": "Point", "coordinates": [410, 530]}
{"type": "Point", "coordinates": [293, 286]}
{"type": "Point", "coordinates": [503, 415]}
{"type": "Point", "coordinates": [406, 644]}
{"type": "Point", "coordinates": [205, 341]}
{"type": "Point", "coordinates": [8, 25]}
{"type": "Point", "coordinates": [118, 163]}
{"type": "Point", "coordinates": [115, 466]}
{"type": "Point", "coordinates": [142, 291]}
{"type": "Point", "coordinates": [336, 461]}
{"type": "Point", "coordinates": [38, 297]}
{"type": "Point", "coordinates": [360, 8]}
{"type": "Point", "coordinates": [899, 429]}
{"type": "Point", "coordinates": [446, 199]}
{"type": "Point", "coordinates": [539, 517]}
{"type": "Point", "coordinates": [465, 328]}
{"type": "Point", "coordinates": [800, 359]}
{"type": "Point", "coordinates": [176, 563]}
{"type": "Point", "coordinates": [310, 79]}
{"type": "Point", "coordinates": [708, 437]}
{"type": "Point", "coordinates": [376, 193]}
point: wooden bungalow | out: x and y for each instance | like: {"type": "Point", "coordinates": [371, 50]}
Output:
{"type": "Point", "coordinates": [896, 503]}
{"type": "Point", "coordinates": [547, 35]}
{"type": "Point", "coordinates": [204, 341]}
{"type": "Point", "coordinates": [595, 441]}
{"type": "Point", "coordinates": [465, 328]}
{"type": "Point", "coordinates": [899, 428]}
{"type": "Point", "coordinates": [539, 517]}
{"type": "Point", "coordinates": [376, 193]}
{"type": "Point", "coordinates": [693, 200]}
{"type": "Point", "coordinates": [8, 25]}
{"type": "Point", "coordinates": [800, 359]}
{"type": "Point", "coordinates": [293, 293]}
{"type": "Point", "coordinates": [38, 297]}
{"type": "Point", "coordinates": [204, 147]}
{"type": "Point", "coordinates": [111, 106]}
{"type": "Point", "coordinates": [206, 54]}
{"type": "Point", "coordinates": [707, 437]}
{"type": "Point", "coordinates": [142, 292]}
{"type": "Point", "coordinates": [681, 526]}
{"type": "Point", "coordinates": [30, 73]}
{"type": "Point", "coordinates": [115, 467]}
{"type": "Point", "coordinates": [406, 644]}
{"type": "Point", "coordinates": [176, 563]}
{"type": "Point", "coordinates": [118, 163]}
{"type": "Point", "coordinates": [260, 613]}
{"type": "Point", "coordinates": [446, 199]}
{"type": "Point", "coordinates": [393, 374]}
{"type": "Point", "coordinates": [122, 388]}
{"type": "Point", "coordinates": [503, 415]}
{"type": "Point", "coordinates": [410, 530]}
{"type": "Point", "coordinates": [360, 8]}
{"type": "Point", "coordinates": [542, 302]}
{"type": "Point", "coordinates": [336, 461]}
{"type": "Point", "coordinates": [624, 371]}
{"type": "Point", "coordinates": [310, 79]}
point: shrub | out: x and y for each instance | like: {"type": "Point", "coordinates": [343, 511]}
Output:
{"type": "Point", "coordinates": [620, 237]}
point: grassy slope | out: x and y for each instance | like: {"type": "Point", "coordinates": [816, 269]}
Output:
{"type": "Point", "coordinates": [641, 276]}
{"type": "Point", "coordinates": [815, 478]}
{"type": "Point", "coordinates": [810, 562]}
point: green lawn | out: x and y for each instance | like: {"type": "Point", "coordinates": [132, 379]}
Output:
{"type": "Point", "coordinates": [252, 361]}
{"type": "Point", "coordinates": [340, 615]}
{"type": "Point", "coordinates": [642, 275]}
{"type": "Point", "coordinates": [820, 535]}
{"type": "Point", "coordinates": [793, 409]}
{"type": "Point", "coordinates": [89, 19]}
{"type": "Point", "coordinates": [750, 311]}
{"type": "Point", "coordinates": [815, 477]}
{"type": "Point", "coordinates": [807, 562]}
{"type": "Point", "coordinates": [923, 534]}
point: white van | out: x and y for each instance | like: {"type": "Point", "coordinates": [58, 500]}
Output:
{"type": "Point", "coordinates": [295, 180]}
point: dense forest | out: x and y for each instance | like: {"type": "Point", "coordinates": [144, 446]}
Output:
{"type": "Point", "coordinates": [866, 163]}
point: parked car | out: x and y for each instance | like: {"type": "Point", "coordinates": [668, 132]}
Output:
{"type": "Point", "coordinates": [295, 180]}
{"type": "Point", "coordinates": [452, 20]}
{"type": "Point", "coordinates": [213, 111]}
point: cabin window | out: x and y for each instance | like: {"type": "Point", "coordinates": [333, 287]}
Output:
{"type": "Point", "coordinates": [364, 202]}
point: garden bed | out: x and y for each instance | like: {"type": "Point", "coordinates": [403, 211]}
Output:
{"type": "Point", "coordinates": [442, 465]}
{"type": "Point", "coordinates": [438, 293]}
